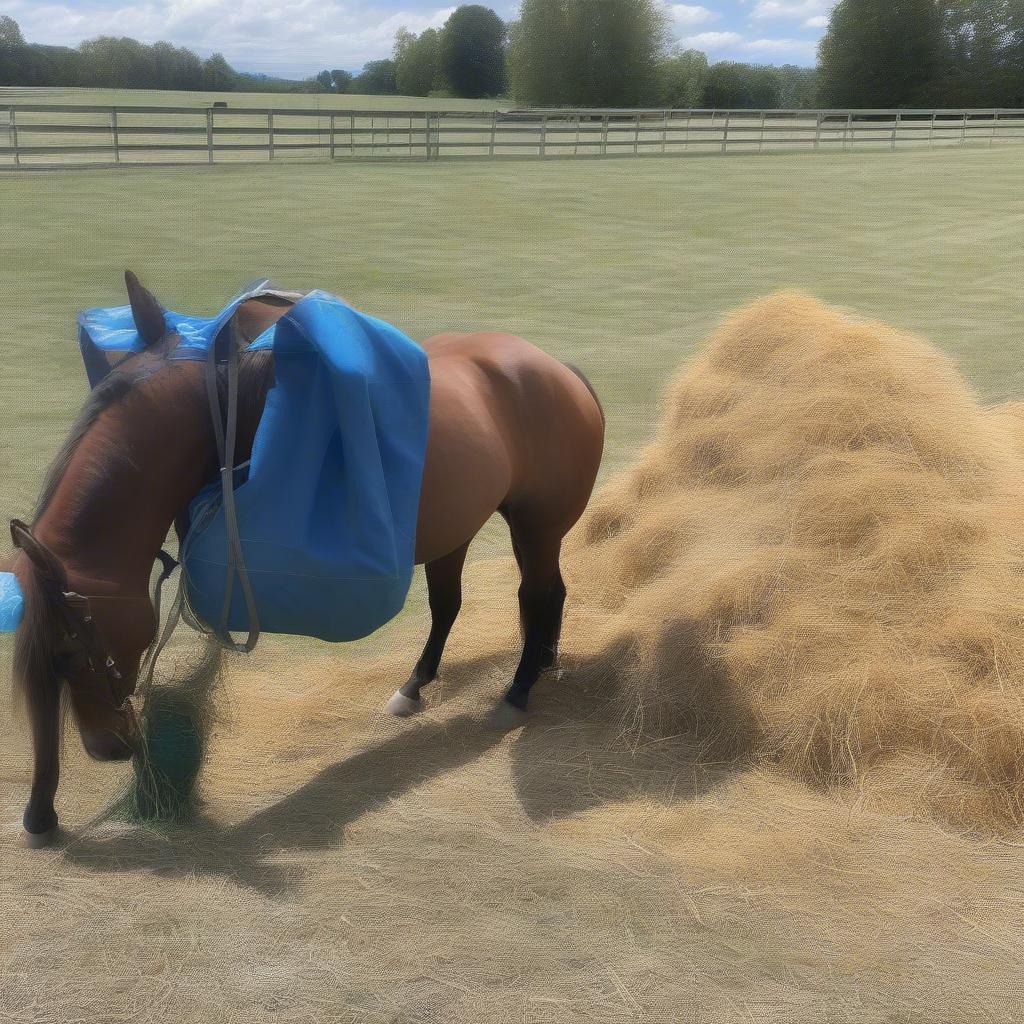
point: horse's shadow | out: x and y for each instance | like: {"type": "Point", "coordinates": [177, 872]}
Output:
{"type": "Point", "coordinates": [574, 753]}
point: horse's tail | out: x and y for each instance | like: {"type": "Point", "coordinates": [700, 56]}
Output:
{"type": "Point", "coordinates": [590, 387]}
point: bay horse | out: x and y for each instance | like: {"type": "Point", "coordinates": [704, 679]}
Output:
{"type": "Point", "coordinates": [511, 430]}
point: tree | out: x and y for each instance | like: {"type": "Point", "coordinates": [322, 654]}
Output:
{"type": "Point", "coordinates": [798, 87]}
{"type": "Point", "coordinates": [218, 75]}
{"type": "Point", "coordinates": [881, 53]}
{"type": "Point", "coordinates": [115, 63]}
{"type": "Point", "coordinates": [731, 85]}
{"type": "Point", "coordinates": [12, 52]}
{"type": "Point", "coordinates": [10, 33]}
{"type": "Point", "coordinates": [172, 67]}
{"type": "Point", "coordinates": [589, 52]}
{"type": "Point", "coordinates": [472, 52]}
{"type": "Point", "coordinates": [684, 79]}
{"type": "Point", "coordinates": [377, 79]}
{"type": "Point", "coordinates": [417, 62]}
{"type": "Point", "coordinates": [322, 82]}
{"type": "Point", "coordinates": [341, 80]}
{"type": "Point", "coordinates": [984, 49]}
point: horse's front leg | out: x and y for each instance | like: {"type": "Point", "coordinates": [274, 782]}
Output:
{"type": "Point", "coordinates": [40, 819]}
{"type": "Point", "coordinates": [444, 591]}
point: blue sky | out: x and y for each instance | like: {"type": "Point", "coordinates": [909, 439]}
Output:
{"type": "Point", "coordinates": [298, 37]}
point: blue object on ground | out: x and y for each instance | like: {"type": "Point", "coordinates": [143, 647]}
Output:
{"type": "Point", "coordinates": [12, 602]}
{"type": "Point", "coordinates": [328, 503]}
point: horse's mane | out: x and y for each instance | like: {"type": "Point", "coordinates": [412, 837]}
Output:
{"type": "Point", "coordinates": [35, 645]}
{"type": "Point", "coordinates": [255, 377]}
{"type": "Point", "coordinates": [35, 650]}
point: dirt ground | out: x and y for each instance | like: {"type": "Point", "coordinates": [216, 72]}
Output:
{"type": "Point", "coordinates": [352, 867]}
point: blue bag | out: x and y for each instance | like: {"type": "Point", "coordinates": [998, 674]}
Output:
{"type": "Point", "coordinates": [328, 502]}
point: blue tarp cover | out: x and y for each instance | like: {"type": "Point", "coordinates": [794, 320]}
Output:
{"type": "Point", "coordinates": [327, 504]}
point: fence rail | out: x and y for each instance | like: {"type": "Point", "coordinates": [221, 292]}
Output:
{"type": "Point", "coordinates": [46, 135]}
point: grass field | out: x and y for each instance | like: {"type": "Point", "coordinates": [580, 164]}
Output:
{"type": "Point", "coordinates": [532, 893]}
{"type": "Point", "coordinates": [307, 101]}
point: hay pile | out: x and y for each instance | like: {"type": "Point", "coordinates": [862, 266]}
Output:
{"type": "Point", "coordinates": [818, 563]}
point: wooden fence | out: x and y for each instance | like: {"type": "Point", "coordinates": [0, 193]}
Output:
{"type": "Point", "coordinates": [47, 135]}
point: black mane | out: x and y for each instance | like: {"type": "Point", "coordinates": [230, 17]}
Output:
{"type": "Point", "coordinates": [36, 642]}
{"type": "Point", "coordinates": [255, 377]}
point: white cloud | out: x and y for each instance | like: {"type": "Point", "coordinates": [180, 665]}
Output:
{"type": "Point", "coordinates": [297, 37]}
{"type": "Point", "coordinates": [818, 21]}
{"type": "Point", "coordinates": [712, 40]}
{"type": "Point", "coordinates": [768, 9]}
{"type": "Point", "coordinates": [688, 15]}
{"type": "Point", "coordinates": [781, 47]}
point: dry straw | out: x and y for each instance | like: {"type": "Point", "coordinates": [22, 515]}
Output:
{"type": "Point", "coordinates": [815, 566]}
{"type": "Point", "coordinates": [817, 563]}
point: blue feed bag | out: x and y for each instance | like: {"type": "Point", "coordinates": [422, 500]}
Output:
{"type": "Point", "coordinates": [328, 503]}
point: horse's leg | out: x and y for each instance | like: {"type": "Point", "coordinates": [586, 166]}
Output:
{"type": "Point", "coordinates": [541, 600]}
{"type": "Point", "coordinates": [444, 591]}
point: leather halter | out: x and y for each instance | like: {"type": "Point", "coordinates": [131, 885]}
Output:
{"type": "Point", "coordinates": [76, 620]}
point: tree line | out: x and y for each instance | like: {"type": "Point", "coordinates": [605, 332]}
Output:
{"type": "Point", "coordinates": [608, 53]}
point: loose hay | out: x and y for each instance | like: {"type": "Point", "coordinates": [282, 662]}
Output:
{"type": "Point", "coordinates": [817, 563]}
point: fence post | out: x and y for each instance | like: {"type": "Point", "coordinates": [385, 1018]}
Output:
{"type": "Point", "coordinates": [332, 136]}
{"type": "Point", "coordinates": [760, 141]}
{"type": "Point", "coordinates": [604, 135]}
{"type": "Point", "coordinates": [963, 131]}
{"type": "Point", "coordinates": [113, 132]}
{"type": "Point", "coordinates": [494, 132]}
{"type": "Point", "coordinates": [995, 124]}
{"type": "Point", "coordinates": [13, 129]}
{"type": "Point", "coordinates": [895, 129]}
{"type": "Point", "coordinates": [543, 134]}
{"type": "Point", "coordinates": [636, 135]}
{"type": "Point", "coordinates": [725, 132]}
{"type": "Point", "coordinates": [270, 135]}
{"type": "Point", "coordinates": [817, 130]}
{"type": "Point", "coordinates": [848, 128]}
{"type": "Point", "coordinates": [576, 144]}
{"type": "Point", "coordinates": [664, 130]}
{"type": "Point", "coordinates": [209, 135]}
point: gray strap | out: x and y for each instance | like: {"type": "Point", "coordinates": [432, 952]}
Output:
{"type": "Point", "coordinates": [160, 640]}
{"type": "Point", "coordinates": [226, 451]}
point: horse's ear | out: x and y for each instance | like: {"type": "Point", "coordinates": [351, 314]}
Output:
{"type": "Point", "coordinates": [38, 554]}
{"type": "Point", "coordinates": [146, 311]}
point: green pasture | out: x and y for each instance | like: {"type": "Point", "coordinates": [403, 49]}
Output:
{"type": "Point", "coordinates": [171, 98]}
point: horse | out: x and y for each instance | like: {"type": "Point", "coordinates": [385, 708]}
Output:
{"type": "Point", "coordinates": [511, 430]}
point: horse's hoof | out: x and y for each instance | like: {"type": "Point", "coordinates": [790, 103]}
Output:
{"type": "Point", "coordinates": [506, 717]}
{"type": "Point", "coordinates": [401, 706]}
{"type": "Point", "coordinates": [40, 840]}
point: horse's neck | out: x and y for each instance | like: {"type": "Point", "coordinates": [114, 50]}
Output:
{"type": "Point", "coordinates": [132, 473]}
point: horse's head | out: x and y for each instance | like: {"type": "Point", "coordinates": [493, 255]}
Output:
{"type": "Point", "coordinates": [90, 644]}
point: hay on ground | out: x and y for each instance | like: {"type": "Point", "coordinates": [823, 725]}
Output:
{"type": "Point", "coordinates": [817, 562]}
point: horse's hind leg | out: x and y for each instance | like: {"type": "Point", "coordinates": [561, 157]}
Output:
{"type": "Point", "coordinates": [541, 600]}
{"type": "Point", "coordinates": [444, 591]}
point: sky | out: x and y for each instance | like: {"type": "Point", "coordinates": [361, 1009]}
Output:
{"type": "Point", "coordinates": [296, 38]}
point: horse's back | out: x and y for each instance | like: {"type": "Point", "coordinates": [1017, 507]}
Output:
{"type": "Point", "coordinates": [510, 427]}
